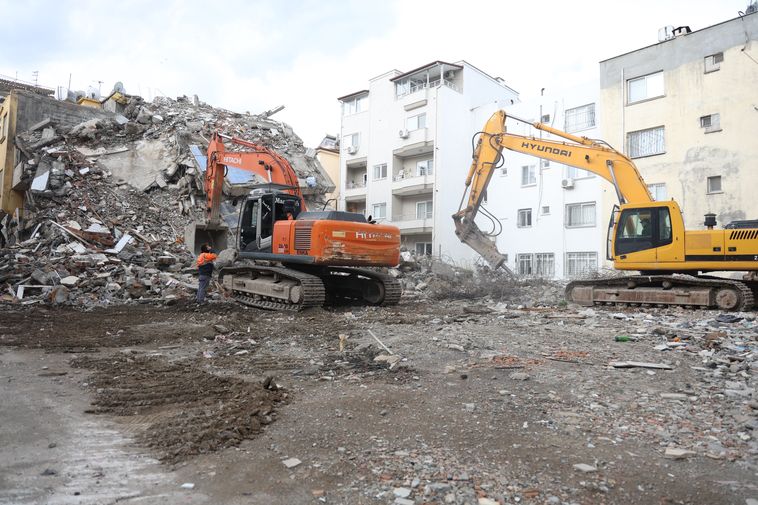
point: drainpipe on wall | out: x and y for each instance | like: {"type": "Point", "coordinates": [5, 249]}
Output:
{"type": "Point", "coordinates": [623, 112]}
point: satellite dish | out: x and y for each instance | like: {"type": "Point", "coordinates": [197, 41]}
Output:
{"type": "Point", "coordinates": [118, 87]}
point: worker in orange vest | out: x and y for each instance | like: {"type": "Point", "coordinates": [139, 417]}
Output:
{"type": "Point", "coordinates": [205, 270]}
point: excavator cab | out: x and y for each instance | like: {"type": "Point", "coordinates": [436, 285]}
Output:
{"type": "Point", "coordinates": [259, 213]}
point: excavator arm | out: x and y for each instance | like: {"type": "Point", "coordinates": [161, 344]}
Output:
{"type": "Point", "coordinates": [579, 152]}
{"type": "Point", "coordinates": [257, 159]}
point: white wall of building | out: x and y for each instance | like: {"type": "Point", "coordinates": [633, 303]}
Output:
{"type": "Point", "coordinates": [550, 233]}
{"type": "Point", "coordinates": [453, 113]}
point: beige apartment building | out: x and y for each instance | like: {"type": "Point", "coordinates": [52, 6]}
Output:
{"type": "Point", "coordinates": [686, 110]}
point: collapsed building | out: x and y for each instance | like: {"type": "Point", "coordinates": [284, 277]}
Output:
{"type": "Point", "coordinates": [94, 200]}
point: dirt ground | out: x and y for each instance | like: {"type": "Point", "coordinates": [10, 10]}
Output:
{"type": "Point", "coordinates": [477, 403]}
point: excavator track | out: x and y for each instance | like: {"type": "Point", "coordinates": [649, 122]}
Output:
{"type": "Point", "coordinates": [307, 289]}
{"type": "Point", "coordinates": [362, 286]}
{"type": "Point", "coordinates": [664, 290]}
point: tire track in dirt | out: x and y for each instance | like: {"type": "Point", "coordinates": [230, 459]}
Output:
{"type": "Point", "coordinates": [177, 409]}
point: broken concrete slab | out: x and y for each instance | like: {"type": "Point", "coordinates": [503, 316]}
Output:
{"type": "Point", "coordinates": [291, 462]}
{"type": "Point", "coordinates": [140, 165]}
{"type": "Point", "coordinates": [70, 281]}
{"type": "Point", "coordinates": [123, 241]}
{"type": "Point", "coordinates": [676, 453]}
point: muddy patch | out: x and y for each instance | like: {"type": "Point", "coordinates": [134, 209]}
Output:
{"type": "Point", "coordinates": [177, 409]}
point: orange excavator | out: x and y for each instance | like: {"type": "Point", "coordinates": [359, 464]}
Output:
{"type": "Point", "coordinates": [301, 258]}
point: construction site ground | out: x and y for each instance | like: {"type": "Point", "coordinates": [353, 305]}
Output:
{"type": "Point", "coordinates": [477, 403]}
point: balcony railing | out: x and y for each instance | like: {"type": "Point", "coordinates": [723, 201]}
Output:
{"type": "Point", "coordinates": [401, 176]}
{"type": "Point", "coordinates": [355, 185]}
{"type": "Point", "coordinates": [418, 86]}
{"type": "Point", "coordinates": [413, 216]}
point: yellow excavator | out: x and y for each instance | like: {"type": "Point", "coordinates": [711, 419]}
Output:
{"type": "Point", "coordinates": [643, 235]}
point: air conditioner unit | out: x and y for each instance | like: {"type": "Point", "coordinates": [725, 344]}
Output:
{"type": "Point", "coordinates": [449, 75]}
{"type": "Point", "coordinates": [352, 149]}
{"type": "Point", "coordinates": [567, 183]}
{"type": "Point", "coordinates": [403, 134]}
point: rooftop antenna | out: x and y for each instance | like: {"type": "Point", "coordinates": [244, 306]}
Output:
{"type": "Point", "coordinates": [35, 76]}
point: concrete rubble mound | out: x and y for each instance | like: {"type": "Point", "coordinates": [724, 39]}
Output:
{"type": "Point", "coordinates": [108, 199]}
{"type": "Point", "coordinates": [425, 277]}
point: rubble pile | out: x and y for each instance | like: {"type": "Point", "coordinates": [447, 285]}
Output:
{"type": "Point", "coordinates": [93, 242]}
{"type": "Point", "coordinates": [107, 201]}
{"type": "Point", "coordinates": [427, 277]}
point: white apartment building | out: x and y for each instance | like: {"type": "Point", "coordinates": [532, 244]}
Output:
{"type": "Point", "coordinates": [554, 217]}
{"type": "Point", "coordinates": [406, 149]}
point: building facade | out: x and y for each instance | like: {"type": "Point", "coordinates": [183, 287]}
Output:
{"type": "Point", "coordinates": [686, 111]}
{"type": "Point", "coordinates": [406, 148]}
{"type": "Point", "coordinates": [19, 111]}
{"type": "Point", "coordinates": [553, 217]}
{"type": "Point", "coordinates": [328, 154]}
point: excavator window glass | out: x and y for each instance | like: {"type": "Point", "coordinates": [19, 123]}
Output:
{"type": "Point", "coordinates": [248, 224]}
{"type": "Point", "coordinates": [641, 229]}
{"type": "Point", "coordinates": [664, 226]}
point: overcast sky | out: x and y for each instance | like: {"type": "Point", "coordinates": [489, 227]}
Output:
{"type": "Point", "coordinates": [252, 55]}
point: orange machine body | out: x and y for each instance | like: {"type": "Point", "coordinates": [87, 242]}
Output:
{"type": "Point", "coordinates": [337, 243]}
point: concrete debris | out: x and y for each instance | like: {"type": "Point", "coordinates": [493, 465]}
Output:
{"type": "Point", "coordinates": [291, 462]}
{"type": "Point", "coordinates": [675, 453]}
{"type": "Point", "coordinates": [125, 186]}
{"type": "Point", "coordinates": [424, 277]}
{"type": "Point", "coordinates": [585, 468]}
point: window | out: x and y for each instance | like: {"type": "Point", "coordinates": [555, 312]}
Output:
{"type": "Point", "coordinates": [642, 229]}
{"type": "Point", "coordinates": [380, 171]}
{"type": "Point", "coordinates": [577, 173]}
{"type": "Point", "coordinates": [658, 192]}
{"type": "Point", "coordinates": [524, 264]}
{"type": "Point", "coordinates": [646, 142]}
{"type": "Point", "coordinates": [416, 122]}
{"type": "Point", "coordinates": [528, 175]}
{"type": "Point", "coordinates": [580, 263]}
{"type": "Point", "coordinates": [544, 265]}
{"type": "Point", "coordinates": [711, 123]}
{"type": "Point", "coordinates": [545, 210]}
{"type": "Point", "coordinates": [355, 105]}
{"type": "Point", "coordinates": [645, 87]}
{"type": "Point", "coordinates": [379, 211]}
{"type": "Point", "coordinates": [3, 126]}
{"type": "Point", "coordinates": [425, 167]}
{"type": "Point", "coordinates": [714, 184]}
{"type": "Point", "coordinates": [580, 215]}
{"type": "Point", "coordinates": [713, 62]}
{"type": "Point", "coordinates": [636, 224]}
{"type": "Point", "coordinates": [580, 118]}
{"type": "Point", "coordinates": [424, 210]}
{"type": "Point", "coordinates": [424, 248]}
{"type": "Point", "coordinates": [524, 218]}
{"type": "Point", "coordinates": [352, 140]}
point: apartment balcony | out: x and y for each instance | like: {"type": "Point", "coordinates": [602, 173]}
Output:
{"type": "Point", "coordinates": [412, 184]}
{"type": "Point", "coordinates": [412, 223]}
{"type": "Point", "coordinates": [413, 143]}
{"type": "Point", "coordinates": [355, 191]}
